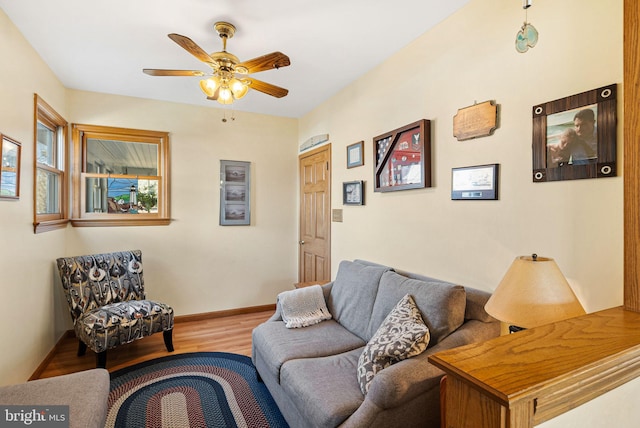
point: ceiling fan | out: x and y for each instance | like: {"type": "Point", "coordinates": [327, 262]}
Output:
{"type": "Point", "coordinates": [229, 80]}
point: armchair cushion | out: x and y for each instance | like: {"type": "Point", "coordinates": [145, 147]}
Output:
{"type": "Point", "coordinates": [122, 322]}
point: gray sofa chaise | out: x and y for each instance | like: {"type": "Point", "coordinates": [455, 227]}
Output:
{"type": "Point", "coordinates": [312, 371]}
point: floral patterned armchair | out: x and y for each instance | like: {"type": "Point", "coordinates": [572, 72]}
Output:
{"type": "Point", "coordinates": [108, 306]}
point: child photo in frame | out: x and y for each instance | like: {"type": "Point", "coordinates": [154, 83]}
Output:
{"type": "Point", "coordinates": [572, 137]}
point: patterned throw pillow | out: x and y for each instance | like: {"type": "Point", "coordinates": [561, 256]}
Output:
{"type": "Point", "coordinates": [402, 335]}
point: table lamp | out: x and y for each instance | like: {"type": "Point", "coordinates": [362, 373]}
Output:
{"type": "Point", "coordinates": [533, 292]}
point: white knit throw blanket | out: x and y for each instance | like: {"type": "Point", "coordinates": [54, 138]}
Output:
{"type": "Point", "coordinates": [303, 307]}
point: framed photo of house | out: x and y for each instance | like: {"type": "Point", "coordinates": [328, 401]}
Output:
{"type": "Point", "coordinates": [235, 193]}
{"type": "Point", "coordinates": [355, 154]}
{"type": "Point", "coordinates": [475, 183]}
{"type": "Point", "coordinates": [403, 158]}
{"type": "Point", "coordinates": [10, 168]}
{"type": "Point", "coordinates": [575, 137]}
{"type": "Point", "coordinates": [353, 193]}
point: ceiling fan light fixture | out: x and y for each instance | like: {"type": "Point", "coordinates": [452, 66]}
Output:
{"type": "Point", "coordinates": [225, 96]}
{"type": "Point", "coordinates": [239, 88]}
{"type": "Point", "coordinates": [210, 85]}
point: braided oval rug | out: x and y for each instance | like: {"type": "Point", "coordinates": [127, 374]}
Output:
{"type": "Point", "coordinates": [202, 389]}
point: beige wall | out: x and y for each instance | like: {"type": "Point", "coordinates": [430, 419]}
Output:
{"type": "Point", "coordinates": [471, 57]}
{"type": "Point", "coordinates": [194, 264]}
{"type": "Point", "coordinates": [27, 296]}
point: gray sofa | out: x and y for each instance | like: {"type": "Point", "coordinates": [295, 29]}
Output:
{"type": "Point", "coordinates": [312, 371]}
{"type": "Point", "coordinates": [86, 393]}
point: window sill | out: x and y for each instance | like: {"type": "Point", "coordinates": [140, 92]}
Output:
{"type": "Point", "coordinates": [49, 225]}
{"type": "Point", "coordinates": [78, 222]}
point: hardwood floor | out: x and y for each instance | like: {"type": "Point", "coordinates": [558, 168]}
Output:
{"type": "Point", "coordinates": [225, 334]}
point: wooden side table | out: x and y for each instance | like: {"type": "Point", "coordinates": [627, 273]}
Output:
{"type": "Point", "coordinates": [524, 379]}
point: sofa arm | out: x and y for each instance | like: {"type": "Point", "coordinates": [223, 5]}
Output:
{"type": "Point", "coordinates": [410, 378]}
{"type": "Point", "coordinates": [326, 291]}
{"type": "Point", "coordinates": [86, 393]}
{"type": "Point", "coordinates": [277, 316]}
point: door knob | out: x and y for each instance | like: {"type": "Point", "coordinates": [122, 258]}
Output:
{"type": "Point", "coordinates": [301, 242]}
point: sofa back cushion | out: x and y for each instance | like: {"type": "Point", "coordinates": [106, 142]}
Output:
{"type": "Point", "coordinates": [353, 294]}
{"type": "Point", "coordinates": [442, 305]}
{"type": "Point", "coordinates": [476, 299]}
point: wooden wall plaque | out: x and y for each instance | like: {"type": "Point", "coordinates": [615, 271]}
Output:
{"type": "Point", "coordinates": [478, 120]}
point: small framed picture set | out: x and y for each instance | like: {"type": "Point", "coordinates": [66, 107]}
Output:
{"type": "Point", "coordinates": [475, 182]}
{"type": "Point", "coordinates": [575, 137]}
{"type": "Point", "coordinates": [10, 168]}
{"type": "Point", "coordinates": [353, 193]}
{"type": "Point", "coordinates": [235, 193]}
{"type": "Point", "coordinates": [355, 154]}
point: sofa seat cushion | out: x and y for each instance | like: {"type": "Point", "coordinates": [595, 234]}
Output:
{"type": "Point", "coordinates": [402, 335]}
{"type": "Point", "coordinates": [279, 344]}
{"type": "Point", "coordinates": [442, 305]}
{"type": "Point", "coordinates": [353, 295]}
{"type": "Point", "coordinates": [123, 322]}
{"type": "Point", "coordinates": [324, 390]}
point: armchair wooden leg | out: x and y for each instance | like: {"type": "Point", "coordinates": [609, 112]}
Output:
{"type": "Point", "coordinates": [101, 360]}
{"type": "Point", "coordinates": [82, 348]}
{"type": "Point", "coordinates": [168, 339]}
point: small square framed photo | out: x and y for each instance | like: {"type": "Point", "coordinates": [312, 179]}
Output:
{"type": "Point", "coordinates": [353, 193]}
{"type": "Point", "coordinates": [474, 183]}
{"type": "Point", "coordinates": [355, 155]}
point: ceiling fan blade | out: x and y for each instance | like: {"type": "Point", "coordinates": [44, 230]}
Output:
{"type": "Point", "coordinates": [159, 72]}
{"type": "Point", "coordinates": [191, 47]}
{"type": "Point", "coordinates": [267, 88]}
{"type": "Point", "coordinates": [265, 62]}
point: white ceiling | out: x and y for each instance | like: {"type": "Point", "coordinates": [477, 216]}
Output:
{"type": "Point", "coordinates": [103, 46]}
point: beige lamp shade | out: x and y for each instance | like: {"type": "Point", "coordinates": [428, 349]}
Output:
{"type": "Point", "coordinates": [533, 292]}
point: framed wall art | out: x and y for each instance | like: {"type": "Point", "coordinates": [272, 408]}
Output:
{"type": "Point", "coordinates": [475, 183]}
{"type": "Point", "coordinates": [353, 193]}
{"type": "Point", "coordinates": [10, 168]}
{"type": "Point", "coordinates": [355, 154]}
{"type": "Point", "coordinates": [575, 137]}
{"type": "Point", "coordinates": [235, 193]}
{"type": "Point", "coordinates": [403, 158]}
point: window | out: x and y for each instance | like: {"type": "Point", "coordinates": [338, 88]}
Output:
{"type": "Point", "coordinates": [50, 182]}
{"type": "Point", "coordinates": [120, 177]}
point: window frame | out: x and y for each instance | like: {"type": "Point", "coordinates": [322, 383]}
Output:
{"type": "Point", "coordinates": [80, 218]}
{"type": "Point", "coordinates": [45, 114]}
